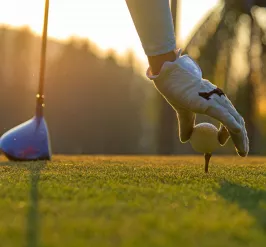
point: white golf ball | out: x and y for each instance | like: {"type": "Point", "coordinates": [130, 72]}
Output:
{"type": "Point", "coordinates": [204, 138]}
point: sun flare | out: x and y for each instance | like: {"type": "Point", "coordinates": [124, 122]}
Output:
{"type": "Point", "coordinates": [107, 23]}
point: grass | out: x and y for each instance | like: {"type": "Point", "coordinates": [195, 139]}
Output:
{"type": "Point", "coordinates": [133, 201]}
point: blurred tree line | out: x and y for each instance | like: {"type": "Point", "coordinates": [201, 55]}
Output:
{"type": "Point", "coordinates": [98, 106]}
{"type": "Point", "coordinates": [93, 105]}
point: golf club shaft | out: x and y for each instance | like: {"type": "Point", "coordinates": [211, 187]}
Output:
{"type": "Point", "coordinates": [40, 94]}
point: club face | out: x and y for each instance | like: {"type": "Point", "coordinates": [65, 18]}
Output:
{"type": "Point", "coordinates": [28, 141]}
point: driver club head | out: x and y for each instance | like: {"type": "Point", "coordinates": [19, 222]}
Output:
{"type": "Point", "coordinates": [28, 141]}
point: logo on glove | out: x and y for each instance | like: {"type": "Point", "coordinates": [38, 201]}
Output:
{"type": "Point", "coordinates": [207, 96]}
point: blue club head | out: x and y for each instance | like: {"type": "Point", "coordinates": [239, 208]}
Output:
{"type": "Point", "coordinates": [27, 142]}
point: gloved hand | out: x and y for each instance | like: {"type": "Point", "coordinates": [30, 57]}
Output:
{"type": "Point", "coordinates": [181, 84]}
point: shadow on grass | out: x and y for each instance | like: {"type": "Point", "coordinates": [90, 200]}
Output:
{"type": "Point", "coordinates": [252, 200]}
{"type": "Point", "coordinates": [32, 227]}
{"type": "Point", "coordinates": [33, 211]}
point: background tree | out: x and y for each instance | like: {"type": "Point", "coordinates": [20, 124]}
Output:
{"type": "Point", "coordinates": [93, 105]}
{"type": "Point", "coordinates": [230, 48]}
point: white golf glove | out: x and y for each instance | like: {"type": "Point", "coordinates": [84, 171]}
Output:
{"type": "Point", "coordinates": [181, 84]}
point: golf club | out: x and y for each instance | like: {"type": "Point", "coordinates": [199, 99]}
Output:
{"type": "Point", "coordinates": [30, 141]}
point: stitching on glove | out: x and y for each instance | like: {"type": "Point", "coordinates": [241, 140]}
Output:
{"type": "Point", "coordinates": [207, 95]}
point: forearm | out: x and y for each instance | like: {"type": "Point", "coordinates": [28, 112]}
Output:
{"type": "Point", "coordinates": [154, 24]}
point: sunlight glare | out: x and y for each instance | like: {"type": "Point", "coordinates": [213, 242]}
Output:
{"type": "Point", "coordinates": [107, 23]}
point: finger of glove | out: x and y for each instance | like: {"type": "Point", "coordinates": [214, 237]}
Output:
{"type": "Point", "coordinates": [222, 115]}
{"type": "Point", "coordinates": [241, 143]}
{"type": "Point", "coordinates": [226, 103]}
{"type": "Point", "coordinates": [186, 122]}
{"type": "Point", "coordinates": [241, 137]}
{"type": "Point", "coordinates": [244, 136]}
{"type": "Point", "coordinates": [236, 131]}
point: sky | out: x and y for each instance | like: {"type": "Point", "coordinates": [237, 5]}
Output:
{"type": "Point", "coordinates": [106, 22]}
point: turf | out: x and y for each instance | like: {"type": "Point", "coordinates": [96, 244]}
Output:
{"type": "Point", "coordinates": [133, 201]}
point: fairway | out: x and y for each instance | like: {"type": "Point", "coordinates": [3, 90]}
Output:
{"type": "Point", "coordinates": [77, 201]}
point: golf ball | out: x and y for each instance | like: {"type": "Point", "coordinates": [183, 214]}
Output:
{"type": "Point", "coordinates": [204, 138]}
